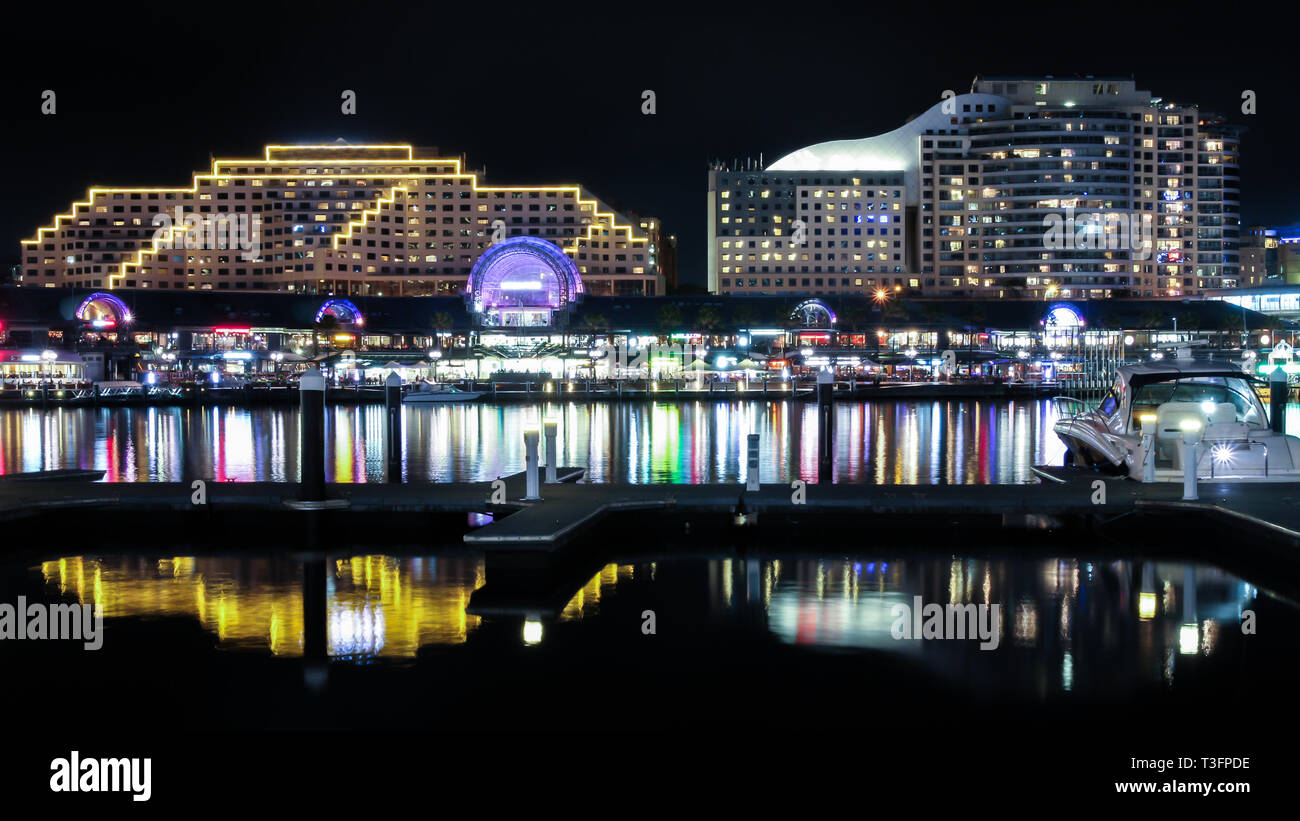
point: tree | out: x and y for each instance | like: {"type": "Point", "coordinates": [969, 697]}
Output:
{"type": "Point", "coordinates": [1108, 321]}
{"type": "Point", "coordinates": [669, 318]}
{"type": "Point", "coordinates": [440, 321]}
{"type": "Point", "coordinates": [327, 325]}
{"type": "Point", "coordinates": [745, 316]}
{"type": "Point", "coordinates": [974, 314]}
{"type": "Point", "coordinates": [894, 311]}
{"type": "Point", "coordinates": [852, 316]}
{"type": "Point", "coordinates": [1154, 319]}
{"type": "Point", "coordinates": [594, 323]}
{"type": "Point", "coordinates": [708, 318]}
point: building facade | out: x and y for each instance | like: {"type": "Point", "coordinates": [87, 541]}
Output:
{"type": "Point", "coordinates": [1031, 187]}
{"type": "Point", "coordinates": [774, 232]}
{"type": "Point", "coordinates": [332, 218]}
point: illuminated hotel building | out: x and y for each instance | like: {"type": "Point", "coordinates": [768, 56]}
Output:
{"type": "Point", "coordinates": [334, 218]}
{"type": "Point", "coordinates": [980, 176]}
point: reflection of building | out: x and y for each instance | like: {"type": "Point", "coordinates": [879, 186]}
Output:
{"type": "Point", "coordinates": [377, 605]}
{"type": "Point", "coordinates": [333, 218]}
{"type": "Point", "coordinates": [975, 180]}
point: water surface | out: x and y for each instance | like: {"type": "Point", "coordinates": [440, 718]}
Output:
{"type": "Point", "coordinates": [907, 442]}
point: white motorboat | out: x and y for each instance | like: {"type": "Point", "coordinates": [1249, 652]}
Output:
{"type": "Point", "coordinates": [423, 392]}
{"type": "Point", "coordinates": [1216, 400]}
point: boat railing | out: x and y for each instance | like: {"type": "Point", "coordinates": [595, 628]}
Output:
{"type": "Point", "coordinates": [1063, 405]}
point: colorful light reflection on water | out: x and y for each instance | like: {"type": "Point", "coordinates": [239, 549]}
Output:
{"type": "Point", "coordinates": [901, 442]}
{"type": "Point", "coordinates": [1067, 624]}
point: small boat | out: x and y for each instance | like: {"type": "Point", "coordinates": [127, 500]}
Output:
{"type": "Point", "coordinates": [1216, 399]}
{"type": "Point", "coordinates": [423, 392]}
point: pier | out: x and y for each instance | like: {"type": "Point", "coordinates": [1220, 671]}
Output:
{"type": "Point", "coordinates": [568, 508]}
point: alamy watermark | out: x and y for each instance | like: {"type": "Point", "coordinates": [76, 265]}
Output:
{"type": "Point", "coordinates": [654, 358]}
{"type": "Point", "coordinates": [1100, 231]}
{"type": "Point", "coordinates": [128, 775]}
{"type": "Point", "coordinates": [55, 622]}
{"type": "Point", "coordinates": [210, 232]}
{"type": "Point", "coordinates": [952, 621]}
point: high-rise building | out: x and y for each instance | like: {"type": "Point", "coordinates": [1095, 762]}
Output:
{"type": "Point", "coordinates": [333, 218]}
{"type": "Point", "coordinates": [774, 231]}
{"type": "Point", "coordinates": [1259, 257]}
{"type": "Point", "coordinates": [1078, 187]}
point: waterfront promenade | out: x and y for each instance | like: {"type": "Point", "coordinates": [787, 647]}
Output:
{"type": "Point", "coordinates": [52, 396]}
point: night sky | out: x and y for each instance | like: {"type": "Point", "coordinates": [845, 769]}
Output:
{"type": "Point", "coordinates": [547, 94]}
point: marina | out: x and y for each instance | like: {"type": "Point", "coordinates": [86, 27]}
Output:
{"type": "Point", "coordinates": [936, 444]}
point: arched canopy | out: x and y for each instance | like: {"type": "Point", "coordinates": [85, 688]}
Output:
{"type": "Point", "coordinates": [523, 272]}
{"type": "Point", "coordinates": [103, 310]}
{"type": "Point", "coordinates": [1062, 317]}
{"type": "Point", "coordinates": [813, 313]}
{"type": "Point", "coordinates": [342, 310]}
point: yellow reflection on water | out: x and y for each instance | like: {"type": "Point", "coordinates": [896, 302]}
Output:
{"type": "Point", "coordinates": [586, 601]}
{"type": "Point", "coordinates": [376, 606]}
{"type": "Point", "coordinates": [391, 606]}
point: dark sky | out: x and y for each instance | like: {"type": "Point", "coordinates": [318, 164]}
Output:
{"type": "Point", "coordinates": [551, 94]}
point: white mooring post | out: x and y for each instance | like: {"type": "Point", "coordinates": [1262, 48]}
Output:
{"type": "Point", "coordinates": [751, 474]}
{"type": "Point", "coordinates": [532, 486]}
{"type": "Point", "coordinates": [549, 430]}
{"type": "Point", "coordinates": [1148, 447]}
{"type": "Point", "coordinates": [1192, 431]}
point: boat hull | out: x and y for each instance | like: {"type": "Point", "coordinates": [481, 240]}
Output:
{"type": "Point", "coordinates": [436, 397]}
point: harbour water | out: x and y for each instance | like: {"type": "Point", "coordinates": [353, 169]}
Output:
{"type": "Point", "coordinates": [1075, 628]}
{"type": "Point", "coordinates": [895, 442]}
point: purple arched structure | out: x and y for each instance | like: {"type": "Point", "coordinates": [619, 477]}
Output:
{"type": "Point", "coordinates": [342, 310]}
{"type": "Point", "coordinates": [813, 313]}
{"type": "Point", "coordinates": [524, 278]}
{"type": "Point", "coordinates": [103, 310]}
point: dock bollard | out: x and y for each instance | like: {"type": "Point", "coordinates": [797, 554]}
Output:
{"type": "Point", "coordinates": [393, 406]}
{"type": "Point", "coordinates": [1278, 388]}
{"type": "Point", "coordinates": [549, 430]}
{"type": "Point", "coordinates": [751, 474]}
{"type": "Point", "coordinates": [532, 491]}
{"type": "Point", "coordinates": [825, 426]}
{"type": "Point", "coordinates": [1192, 431]}
{"type": "Point", "coordinates": [311, 433]}
{"type": "Point", "coordinates": [1148, 447]}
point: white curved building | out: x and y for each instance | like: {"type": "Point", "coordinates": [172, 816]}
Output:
{"type": "Point", "coordinates": [1028, 187]}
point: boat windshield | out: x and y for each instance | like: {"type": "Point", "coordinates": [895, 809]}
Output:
{"type": "Point", "coordinates": [1206, 391]}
